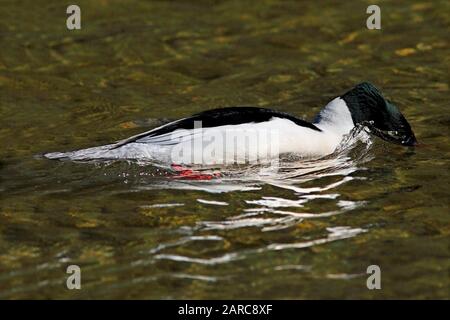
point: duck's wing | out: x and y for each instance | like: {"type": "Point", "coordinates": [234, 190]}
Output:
{"type": "Point", "coordinates": [208, 119]}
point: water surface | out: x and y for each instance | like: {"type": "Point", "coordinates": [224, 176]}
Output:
{"type": "Point", "coordinates": [308, 230]}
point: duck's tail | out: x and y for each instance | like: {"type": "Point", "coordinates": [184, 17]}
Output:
{"type": "Point", "coordinates": [102, 152]}
{"type": "Point", "coordinates": [130, 151]}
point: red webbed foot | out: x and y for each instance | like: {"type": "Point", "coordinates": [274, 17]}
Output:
{"type": "Point", "coordinates": [189, 174]}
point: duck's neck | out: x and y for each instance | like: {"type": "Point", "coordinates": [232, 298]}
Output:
{"type": "Point", "coordinates": [335, 118]}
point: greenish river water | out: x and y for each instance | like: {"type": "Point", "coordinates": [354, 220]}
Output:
{"type": "Point", "coordinates": [310, 232]}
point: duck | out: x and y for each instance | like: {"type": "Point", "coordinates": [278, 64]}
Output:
{"type": "Point", "coordinates": [247, 134]}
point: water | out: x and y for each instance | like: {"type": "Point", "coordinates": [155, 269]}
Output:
{"type": "Point", "coordinates": [309, 229]}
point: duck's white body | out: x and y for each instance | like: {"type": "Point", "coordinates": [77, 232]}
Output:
{"type": "Point", "coordinates": [247, 142]}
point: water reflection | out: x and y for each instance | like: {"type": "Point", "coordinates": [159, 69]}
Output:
{"type": "Point", "coordinates": [273, 213]}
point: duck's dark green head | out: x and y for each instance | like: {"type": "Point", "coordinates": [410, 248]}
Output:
{"type": "Point", "coordinates": [368, 107]}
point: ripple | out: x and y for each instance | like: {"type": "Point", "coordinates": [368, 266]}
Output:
{"type": "Point", "coordinates": [185, 240]}
{"type": "Point", "coordinates": [195, 277]}
{"type": "Point", "coordinates": [336, 233]}
{"type": "Point", "coordinates": [267, 224]}
{"type": "Point", "coordinates": [163, 205]}
{"type": "Point", "coordinates": [292, 267]}
{"type": "Point", "coordinates": [275, 202]}
{"type": "Point", "coordinates": [206, 261]}
{"type": "Point", "coordinates": [216, 203]}
{"type": "Point", "coordinates": [344, 276]}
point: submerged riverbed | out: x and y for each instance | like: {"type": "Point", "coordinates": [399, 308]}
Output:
{"type": "Point", "coordinates": [309, 229]}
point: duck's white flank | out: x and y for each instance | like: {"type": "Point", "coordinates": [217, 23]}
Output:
{"type": "Point", "coordinates": [234, 143]}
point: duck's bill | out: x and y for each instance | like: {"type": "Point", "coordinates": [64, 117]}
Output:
{"type": "Point", "coordinates": [410, 142]}
{"type": "Point", "coordinates": [407, 140]}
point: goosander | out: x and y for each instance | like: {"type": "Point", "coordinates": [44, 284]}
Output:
{"type": "Point", "coordinates": [246, 134]}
